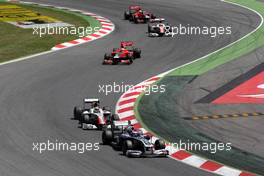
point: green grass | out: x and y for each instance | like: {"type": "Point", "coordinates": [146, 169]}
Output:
{"type": "Point", "coordinates": [17, 42]}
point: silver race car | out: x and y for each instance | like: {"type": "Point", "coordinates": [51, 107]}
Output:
{"type": "Point", "coordinates": [159, 29]}
{"type": "Point", "coordinates": [91, 115]}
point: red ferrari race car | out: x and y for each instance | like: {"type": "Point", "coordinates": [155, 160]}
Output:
{"type": "Point", "coordinates": [137, 15]}
{"type": "Point", "coordinates": [131, 10]}
{"type": "Point", "coordinates": [125, 54]}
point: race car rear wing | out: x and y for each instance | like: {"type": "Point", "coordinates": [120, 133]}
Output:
{"type": "Point", "coordinates": [126, 43]}
{"type": "Point", "coordinates": [134, 7]}
{"type": "Point", "coordinates": [91, 100]}
{"type": "Point", "coordinates": [122, 123]}
{"type": "Point", "coordinates": [157, 20]}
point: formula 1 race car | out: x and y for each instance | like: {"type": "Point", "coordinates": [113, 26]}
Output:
{"type": "Point", "coordinates": [132, 142]}
{"type": "Point", "coordinates": [144, 17]}
{"type": "Point", "coordinates": [137, 15]}
{"type": "Point", "coordinates": [125, 54]}
{"type": "Point", "coordinates": [131, 10]}
{"type": "Point", "coordinates": [159, 29]}
{"type": "Point", "coordinates": [91, 115]}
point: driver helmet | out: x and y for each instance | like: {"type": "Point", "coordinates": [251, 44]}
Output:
{"type": "Point", "coordinates": [96, 109]}
{"type": "Point", "coordinates": [136, 133]}
{"type": "Point", "coordinates": [130, 129]}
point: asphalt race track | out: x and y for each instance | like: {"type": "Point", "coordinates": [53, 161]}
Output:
{"type": "Point", "coordinates": [37, 95]}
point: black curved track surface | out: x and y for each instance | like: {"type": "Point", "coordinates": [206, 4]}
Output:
{"type": "Point", "coordinates": [37, 95]}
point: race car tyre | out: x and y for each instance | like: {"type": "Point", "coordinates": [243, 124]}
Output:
{"type": "Point", "coordinates": [156, 30]}
{"type": "Point", "coordinates": [153, 30]}
{"type": "Point", "coordinates": [137, 53]}
{"type": "Point", "coordinates": [159, 144]}
{"type": "Point", "coordinates": [106, 108]}
{"type": "Point", "coordinates": [83, 125]}
{"type": "Point", "coordinates": [115, 49]}
{"type": "Point", "coordinates": [77, 111]}
{"type": "Point", "coordinates": [127, 145]}
{"type": "Point", "coordinates": [107, 137]}
{"type": "Point", "coordinates": [107, 56]}
{"type": "Point", "coordinates": [86, 118]}
{"type": "Point", "coordinates": [131, 18]}
{"type": "Point", "coordinates": [99, 127]}
{"type": "Point", "coordinates": [115, 62]}
{"type": "Point", "coordinates": [149, 28]}
{"type": "Point", "coordinates": [136, 20]}
{"type": "Point", "coordinates": [115, 117]}
{"type": "Point", "coordinates": [126, 15]}
{"type": "Point", "coordinates": [130, 61]}
{"type": "Point", "coordinates": [161, 34]}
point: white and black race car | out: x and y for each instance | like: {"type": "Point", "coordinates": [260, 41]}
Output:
{"type": "Point", "coordinates": [91, 115]}
{"type": "Point", "coordinates": [132, 142]}
{"type": "Point", "coordinates": [159, 29]}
